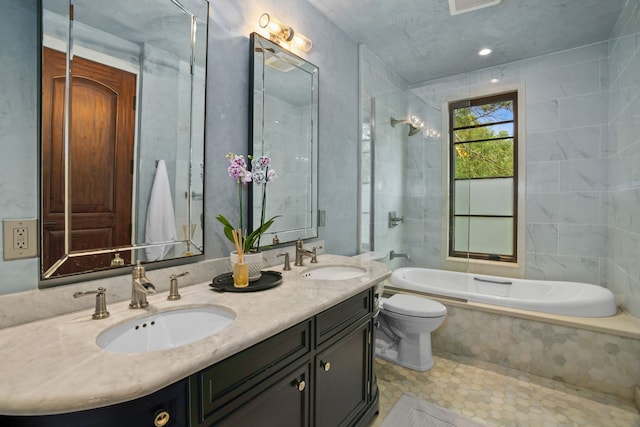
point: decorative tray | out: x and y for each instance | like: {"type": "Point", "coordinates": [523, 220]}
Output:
{"type": "Point", "coordinates": [268, 280]}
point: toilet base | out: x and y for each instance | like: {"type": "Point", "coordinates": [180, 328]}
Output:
{"type": "Point", "coordinates": [390, 353]}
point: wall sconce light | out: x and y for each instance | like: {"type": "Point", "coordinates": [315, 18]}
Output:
{"type": "Point", "coordinates": [284, 34]}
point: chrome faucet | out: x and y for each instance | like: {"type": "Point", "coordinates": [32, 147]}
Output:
{"type": "Point", "coordinates": [140, 287]}
{"type": "Point", "coordinates": [301, 253]}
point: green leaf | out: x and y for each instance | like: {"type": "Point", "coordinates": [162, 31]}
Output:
{"type": "Point", "coordinates": [227, 227]}
{"type": "Point", "coordinates": [252, 238]}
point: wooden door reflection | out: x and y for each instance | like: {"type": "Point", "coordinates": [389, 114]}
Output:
{"type": "Point", "coordinates": [101, 141]}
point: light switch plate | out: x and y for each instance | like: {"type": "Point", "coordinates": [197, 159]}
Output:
{"type": "Point", "coordinates": [20, 238]}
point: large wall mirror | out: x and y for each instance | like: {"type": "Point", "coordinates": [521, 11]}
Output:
{"type": "Point", "coordinates": [123, 119]}
{"type": "Point", "coordinates": [284, 126]}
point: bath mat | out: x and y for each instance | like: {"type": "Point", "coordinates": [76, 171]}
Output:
{"type": "Point", "coordinates": [410, 411]}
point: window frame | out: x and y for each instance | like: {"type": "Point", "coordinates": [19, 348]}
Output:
{"type": "Point", "coordinates": [513, 96]}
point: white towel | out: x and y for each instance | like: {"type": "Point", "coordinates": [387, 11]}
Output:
{"type": "Point", "coordinates": [161, 221]}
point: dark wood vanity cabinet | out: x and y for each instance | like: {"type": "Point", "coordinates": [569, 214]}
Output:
{"type": "Point", "coordinates": [317, 373]}
{"type": "Point", "coordinates": [167, 407]}
{"type": "Point", "coordinates": [342, 380]}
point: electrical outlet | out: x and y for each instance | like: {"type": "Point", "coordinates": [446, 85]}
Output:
{"type": "Point", "coordinates": [19, 238]}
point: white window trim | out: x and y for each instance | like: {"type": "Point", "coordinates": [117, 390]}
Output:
{"type": "Point", "coordinates": [477, 266]}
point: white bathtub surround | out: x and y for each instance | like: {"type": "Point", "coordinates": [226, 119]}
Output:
{"type": "Point", "coordinates": [603, 362]}
{"type": "Point", "coordinates": [598, 353]}
{"type": "Point", "coordinates": [60, 353]}
{"type": "Point", "coordinates": [556, 297]}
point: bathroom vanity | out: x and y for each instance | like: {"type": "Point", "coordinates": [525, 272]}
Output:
{"type": "Point", "coordinates": [318, 373]}
{"type": "Point", "coordinates": [299, 354]}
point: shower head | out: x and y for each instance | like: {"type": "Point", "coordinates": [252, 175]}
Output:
{"type": "Point", "coordinates": [415, 123]}
{"type": "Point", "coordinates": [413, 130]}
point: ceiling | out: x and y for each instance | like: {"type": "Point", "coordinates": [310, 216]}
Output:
{"type": "Point", "coordinates": [422, 41]}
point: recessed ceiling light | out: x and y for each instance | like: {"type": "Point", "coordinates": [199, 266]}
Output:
{"type": "Point", "coordinates": [484, 52]}
{"type": "Point", "coordinates": [495, 80]}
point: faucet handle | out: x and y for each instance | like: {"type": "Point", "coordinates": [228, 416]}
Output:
{"type": "Point", "coordinates": [101, 302]}
{"type": "Point", "coordinates": [287, 262]}
{"type": "Point", "coordinates": [138, 271]}
{"type": "Point", "coordinates": [175, 276]}
{"type": "Point", "coordinates": [173, 287]}
{"type": "Point", "coordinates": [314, 256]}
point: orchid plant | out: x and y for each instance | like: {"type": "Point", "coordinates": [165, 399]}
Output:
{"type": "Point", "coordinates": [260, 174]}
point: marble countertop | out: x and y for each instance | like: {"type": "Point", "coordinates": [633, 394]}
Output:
{"type": "Point", "coordinates": [54, 366]}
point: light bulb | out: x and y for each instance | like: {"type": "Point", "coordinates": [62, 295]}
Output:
{"type": "Point", "coordinates": [416, 121]}
{"type": "Point", "coordinates": [302, 42]}
{"type": "Point", "coordinates": [283, 34]}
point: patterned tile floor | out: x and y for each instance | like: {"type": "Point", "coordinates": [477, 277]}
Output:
{"type": "Point", "coordinates": [498, 396]}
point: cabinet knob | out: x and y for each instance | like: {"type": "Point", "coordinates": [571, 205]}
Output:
{"type": "Point", "coordinates": [300, 385]}
{"type": "Point", "coordinates": [161, 418]}
{"type": "Point", "coordinates": [326, 366]}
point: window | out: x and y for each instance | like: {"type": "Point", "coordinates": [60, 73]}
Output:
{"type": "Point", "coordinates": [484, 178]}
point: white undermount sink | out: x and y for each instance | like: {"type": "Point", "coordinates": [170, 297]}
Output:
{"type": "Point", "coordinates": [164, 330]}
{"type": "Point", "coordinates": [333, 272]}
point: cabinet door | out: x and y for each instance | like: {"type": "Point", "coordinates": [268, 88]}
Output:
{"type": "Point", "coordinates": [342, 378]}
{"type": "Point", "coordinates": [283, 403]}
{"type": "Point", "coordinates": [219, 389]}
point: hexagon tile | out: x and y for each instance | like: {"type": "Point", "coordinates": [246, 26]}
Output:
{"type": "Point", "coordinates": [499, 396]}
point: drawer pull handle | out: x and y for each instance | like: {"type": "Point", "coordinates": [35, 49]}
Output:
{"type": "Point", "coordinates": [162, 418]}
{"type": "Point", "coordinates": [300, 385]}
{"type": "Point", "coordinates": [326, 366]}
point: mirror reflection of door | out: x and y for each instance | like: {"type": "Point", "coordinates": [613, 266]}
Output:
{"type": "Point", "coordinates": [101, 144]}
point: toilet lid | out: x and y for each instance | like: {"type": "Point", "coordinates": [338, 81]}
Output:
{"type": "Point", "coordinates": [412, 305]}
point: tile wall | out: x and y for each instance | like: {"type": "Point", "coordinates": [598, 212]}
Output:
{"type": "Point", "coordinates": [623, 249]}
{"type": "Point", "coordinates": [565, 100]}
{"type": "Point", "coordinates": [582, 155]}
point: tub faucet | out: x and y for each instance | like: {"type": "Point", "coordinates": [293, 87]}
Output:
{"type": "Point", "coordinates": [301, 253]}
{"type": "Point", "coordinates": [140, 287]}
{"type": "Point", "coordinates": [393, 254]}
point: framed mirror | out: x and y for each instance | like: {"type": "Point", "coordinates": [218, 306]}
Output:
{"type": "Point", "coordinates": [283, 117]}
{"type": "Point", "coordinates": [123, 119]}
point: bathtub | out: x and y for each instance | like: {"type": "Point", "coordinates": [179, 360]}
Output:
{"type": "Point", "coordinates": [555, 297]}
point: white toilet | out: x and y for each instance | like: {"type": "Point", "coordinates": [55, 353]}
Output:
{"type": "Point", "coordinates": [404, 326]}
